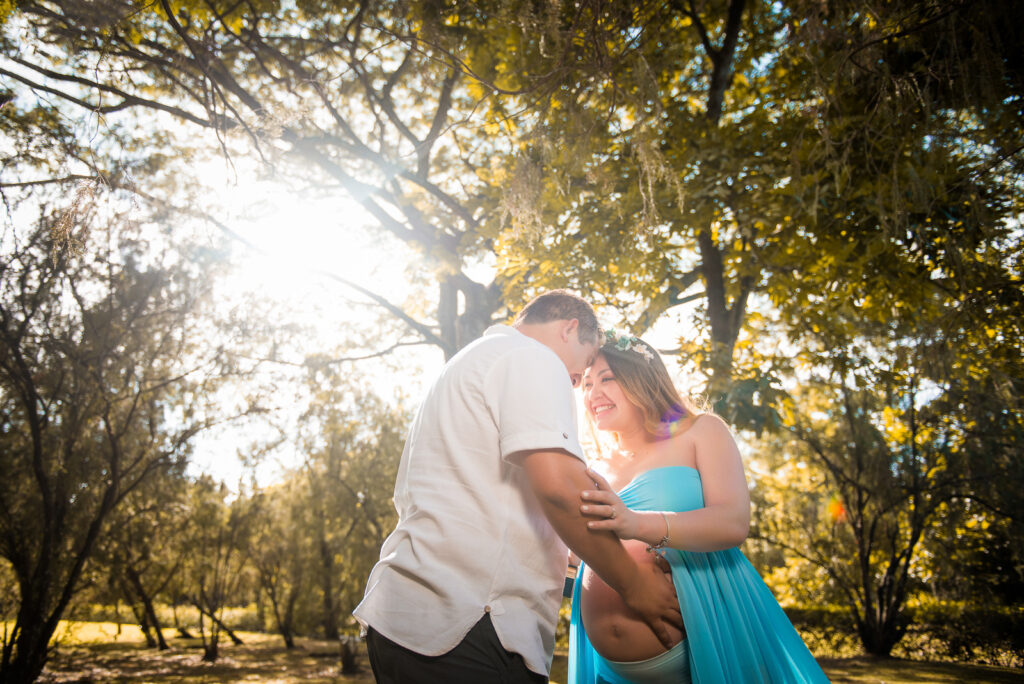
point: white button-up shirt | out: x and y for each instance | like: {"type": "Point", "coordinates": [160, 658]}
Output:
{"type": "Point", "coordinates": [471, 537]}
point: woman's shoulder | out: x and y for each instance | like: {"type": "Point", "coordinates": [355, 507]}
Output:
{"type": "Point", "coordinates": [711, 430]}
{"type": "Point", "coordinates": [706, 422]}
{"type": "Point", "coordinates": [710, 420]}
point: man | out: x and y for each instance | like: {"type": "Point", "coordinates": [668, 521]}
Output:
{"type": "Point", "coordinates": [469, 584]}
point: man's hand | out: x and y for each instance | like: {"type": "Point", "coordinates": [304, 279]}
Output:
{"type": "Point", "coordinates": [653, 597]}
{"type": "Point", "coordinates": [557, 479]}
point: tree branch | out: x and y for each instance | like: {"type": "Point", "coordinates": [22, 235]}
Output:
{"type": "Point", "coordinates": [127, 101]}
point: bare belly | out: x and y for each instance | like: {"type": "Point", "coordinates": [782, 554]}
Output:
{"type": "Point", "coordinates": [615, 631]}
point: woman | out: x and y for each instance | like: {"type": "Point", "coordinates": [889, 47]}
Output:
{"type": "Point", "coordinates": [682, 496]}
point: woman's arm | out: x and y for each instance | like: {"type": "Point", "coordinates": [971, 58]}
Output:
{"type": "Point", "coordinates": [723, 522]}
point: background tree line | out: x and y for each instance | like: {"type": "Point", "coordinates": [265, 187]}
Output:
{"type": "Point", "coordinates": [821, 201]}
{"type": "Point", "coordinates": [108, 376]}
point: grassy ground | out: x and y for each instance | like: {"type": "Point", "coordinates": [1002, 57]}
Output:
{"type": "Point", "coordinates": [101, 652]}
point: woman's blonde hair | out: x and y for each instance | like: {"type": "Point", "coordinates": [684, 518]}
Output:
{"type": "Point", "coordinates": [645, 381]}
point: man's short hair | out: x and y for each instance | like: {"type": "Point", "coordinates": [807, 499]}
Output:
{"type": "Point", "coordinates": [562, 305]}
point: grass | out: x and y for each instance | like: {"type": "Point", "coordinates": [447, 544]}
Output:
{"type": "Point", "coordinates": [105, 652]}
{"type": "Point", "coordinates": [894, 671]}
{"type": "Point", "coordinates": [101, 652]}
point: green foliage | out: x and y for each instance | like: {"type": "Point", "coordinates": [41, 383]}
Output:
{"type": "Point", "coordinates": [217, 534]}
{"type": "Point", "coordinates": [347, 479]}
{"type": "Point", "coordinates": [940, 630]}
{"type": "Point", "coordinates": [94, 354]}
{"type": "Point", "coordinates": [831, 151]}
{"type": "Point", "coordinates": [974, 555]}
{"type": "Point", "coordinates": [280, 558]}
{"type": "Point", "coordinates": [140, 559]}
{"type": "Point", "coordinates": [887, 465]}
{"type": "Point", "coordinates": [987, 634]}
{"type": "Point", "coordinates": [827, 630]}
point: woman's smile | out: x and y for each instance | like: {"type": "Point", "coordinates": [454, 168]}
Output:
{"type": "Point", "coordinates": [605, 401]}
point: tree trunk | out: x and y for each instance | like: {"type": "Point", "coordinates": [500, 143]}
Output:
{"type": "Point", "coordinates": [261, 611]}
{"type": "Point", "coordinates": [480, 304]}
{"type": "Point", "coordinates": [29, 657]}
{"type": "Point", "coordinates": [221, 627]}
{"type": "Point", "coordinates": [879, 634]}
{"type": "Point", "coordinates": [148, 610]}
{"type": "Point", "coordinates": [283, 622]}
{"type": "Point", "coordinates": [465, 309]}
{"type": "Point", "coordinates": [140, 615]}
{"type": "Point", "coordinates": [43, 601]}
{"type": "Point", "coordinates": [182, 631]}
{"type": "Point", "coordinates": [330, 612]}
{"type": "Point", "coordinates": [211, 646]}
{"type": "Point", "coordinates": [724, 320]}
{"type": "Point", "coordinates": [289, 616]}
{"type": "Point", "coordinates": [347, 647]}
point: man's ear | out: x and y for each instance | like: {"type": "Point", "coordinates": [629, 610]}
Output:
{"type": "Point", "coordinates": [571, 326]}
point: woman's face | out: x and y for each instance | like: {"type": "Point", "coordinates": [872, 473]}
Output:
{"type": "Point", "coordinates": [605, 401]}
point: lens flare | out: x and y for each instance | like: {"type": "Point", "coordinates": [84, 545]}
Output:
{"type": "Point", "coordinates": [672, 421]}
{"type": "Point", "coordinates": [836, 510]}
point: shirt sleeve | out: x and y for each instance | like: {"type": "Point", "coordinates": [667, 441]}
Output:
{"type": "Point", "coordinates": [533, 404]}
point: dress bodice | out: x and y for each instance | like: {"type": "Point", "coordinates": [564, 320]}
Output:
{"type": "Point", "coordinates": [669, 488]}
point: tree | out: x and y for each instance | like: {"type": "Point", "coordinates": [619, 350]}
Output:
{"type": "Point", "coordinates": [279, 555]}
{"type": "Point", "coordinates": [795, 170]}
{"type": "Point", "coordinates": [906, 419]}
{"type": "Point", "coordinates": [717, 153]}
{"type": "Point", "coordinates": [352, 442]}
{"type": "Point", "coordinates": [143, 552]}
{"type": "Point", "coordinates": [218, 537]}
{"type": "Point", "coordinates": [95, 353]}
{"type": "Point", "coordinates": [661, 146]}
{"type": "Point", "coordinates": [348, 97]}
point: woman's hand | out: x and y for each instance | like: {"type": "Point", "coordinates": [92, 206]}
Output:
{"type": "Point", "coordinates": [605, 505]}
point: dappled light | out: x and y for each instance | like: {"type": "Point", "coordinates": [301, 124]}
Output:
{"type": "Point", "coordinates": [261, 658]}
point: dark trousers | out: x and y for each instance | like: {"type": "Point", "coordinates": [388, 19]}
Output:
{"type": "Point", "coordinates": [478, 659]}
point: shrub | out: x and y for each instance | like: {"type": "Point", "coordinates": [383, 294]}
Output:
{"type": "Point", "coordinates": [953, 630]}
{"type": "Point", "coordinates": [827, 630]}
{"type": "Point", "coordinates": [939, 630]}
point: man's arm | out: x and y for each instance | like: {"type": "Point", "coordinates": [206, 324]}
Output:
{"type": "Point", "coordinates": [557, 478]}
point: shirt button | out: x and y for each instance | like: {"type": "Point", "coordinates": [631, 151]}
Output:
{"type": "Point", "coordinates": [487, 609]}
{"type": "Point", "coordinates": [565, 435]}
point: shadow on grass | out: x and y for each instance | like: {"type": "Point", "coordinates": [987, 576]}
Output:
{"type": "Point", "coordinates": [258, 660]}
{"type": "Point", "coordinates": [867, 670]}
{"type": "Point", "coordinates": [880, 671]}
{"type": "Point", "coordinates": [263, 658]}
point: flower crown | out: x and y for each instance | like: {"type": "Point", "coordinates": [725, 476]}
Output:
{"type": "Point", "coordinates": [627, 343]}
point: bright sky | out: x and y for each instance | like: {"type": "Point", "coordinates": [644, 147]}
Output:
{"type": "Point", "coordinates": [299, 242]}
{"type": "Point", "coordinates": [298, 239]}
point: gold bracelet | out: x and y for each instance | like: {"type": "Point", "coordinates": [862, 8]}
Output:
{"type": "Point", "coordinates": [660, 546]}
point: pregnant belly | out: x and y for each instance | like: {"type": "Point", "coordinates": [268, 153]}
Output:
{"type": "Point", "coordinates": [615, 631]}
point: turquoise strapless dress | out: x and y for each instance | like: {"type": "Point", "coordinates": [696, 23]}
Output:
{"type": "Point", "coordinates": [737, 632]}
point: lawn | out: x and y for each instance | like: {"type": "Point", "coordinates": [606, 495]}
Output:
{"type": "Point", "coordinates": [103, 652]}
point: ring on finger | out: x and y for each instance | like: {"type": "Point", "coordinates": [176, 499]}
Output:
{"type": "Point", "coordinates": [612, 516]}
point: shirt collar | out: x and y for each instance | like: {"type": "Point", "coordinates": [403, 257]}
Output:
{"type": "Point", "coordinates": [501, 329]}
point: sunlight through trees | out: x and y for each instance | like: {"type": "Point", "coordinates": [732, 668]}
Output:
{"type": "Point", "coordinates": [818, 203]}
